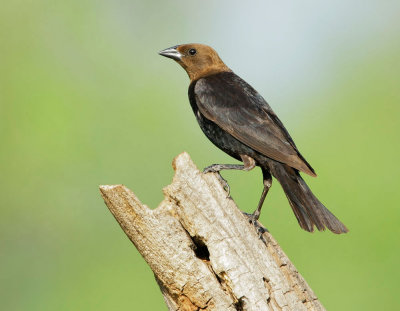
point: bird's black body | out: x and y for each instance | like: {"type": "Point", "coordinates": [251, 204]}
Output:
{"type": "Point", "coordinates": [220, 138]}
{"type": "Point", "coordinates": [226, 98]}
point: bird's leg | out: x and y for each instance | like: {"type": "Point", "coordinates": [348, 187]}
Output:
{"type": "Point", "coordinates": [248, 164]}
{"type": "Point", "coordinates": [267, 180]}
{"type": "Point", "coordinates": [267, 184]}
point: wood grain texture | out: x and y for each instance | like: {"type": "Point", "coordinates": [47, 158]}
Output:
{"type": "Point", "coordinates": [202, 250]}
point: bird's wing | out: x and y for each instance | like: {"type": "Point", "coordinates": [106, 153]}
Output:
{"type": "Point", "coordinates": [237, 108]}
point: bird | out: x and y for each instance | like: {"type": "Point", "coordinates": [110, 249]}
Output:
{"type": "Point", "coordinates": [238, 120]}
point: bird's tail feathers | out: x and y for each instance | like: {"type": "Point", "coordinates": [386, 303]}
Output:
{"type": "Point", "coordinates": [308, 210]}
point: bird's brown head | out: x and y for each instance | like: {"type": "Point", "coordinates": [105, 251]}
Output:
{"type": "Point", "coordinates": [198, 60]}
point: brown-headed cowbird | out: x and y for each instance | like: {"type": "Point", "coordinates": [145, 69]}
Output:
{"type": "Point", "coordinates": [240, 122]}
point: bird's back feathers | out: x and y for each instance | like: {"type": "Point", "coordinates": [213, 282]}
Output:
{"type": "Point", "coordinates": [237, 108]}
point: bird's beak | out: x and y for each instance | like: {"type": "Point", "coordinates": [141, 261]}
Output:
{"type": "Point", "coordinates": [171, 52]}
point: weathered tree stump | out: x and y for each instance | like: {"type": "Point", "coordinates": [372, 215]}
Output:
{"type": "Point", "coordinates": [204, 253]}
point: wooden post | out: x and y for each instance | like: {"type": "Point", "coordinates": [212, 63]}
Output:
{"type": "Point", "coordinates": [204, 253]}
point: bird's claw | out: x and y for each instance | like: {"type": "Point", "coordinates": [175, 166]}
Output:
{"type": "Point", "coordinates": [227, 188]}
{"type": "Point", "coordinates": [253, 219]}
{"type": "Point", "coordinates": [224, 183]}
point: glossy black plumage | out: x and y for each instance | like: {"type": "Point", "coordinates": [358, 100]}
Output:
{"type": "Point", "coordinates": [232, 104]}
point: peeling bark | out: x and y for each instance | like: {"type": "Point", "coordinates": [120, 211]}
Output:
{"type": "Point", "coordinates": [202, 250]}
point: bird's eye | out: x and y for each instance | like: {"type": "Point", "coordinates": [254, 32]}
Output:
{"type": "Point", "coordinates": [192, 51]}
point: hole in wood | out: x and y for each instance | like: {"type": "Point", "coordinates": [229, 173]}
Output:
{"type": "Point", "coordinates": [201, 249]}
{"type": "Point", "coordinates": [239, 304]}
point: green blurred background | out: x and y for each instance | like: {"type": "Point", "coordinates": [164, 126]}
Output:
{"type": "Point", "coordinates": [85, 100]}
